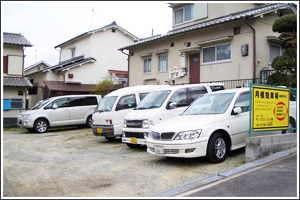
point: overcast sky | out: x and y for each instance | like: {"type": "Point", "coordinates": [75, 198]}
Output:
{"type": "Point", "coordinates": [47, 24]}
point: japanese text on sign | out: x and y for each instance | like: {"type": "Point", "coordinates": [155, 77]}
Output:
{"type": "Point", "coordinates": [270, 108]}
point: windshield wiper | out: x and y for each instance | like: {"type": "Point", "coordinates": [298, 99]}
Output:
{"type": "Point", "coordinates": [153, 107]}
{"type": "Point", "coordinates": [141, 108]}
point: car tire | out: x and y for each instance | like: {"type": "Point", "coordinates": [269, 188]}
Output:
{"type": "Point", "coordinates": [291, 125]}
{"type": "Point", "coordinates": [41, 126]}
{"type": "Point", "coordinates": [110, 138]}
{"type": "Point", "coordinates": [217, 148]}
{"type": "Point", "coordinates": [88, 123]}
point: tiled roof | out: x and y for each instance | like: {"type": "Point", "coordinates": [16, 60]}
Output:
{"type": "Point", "coordinates": [61, 86]}
{"type": "Point", "coordinates": [20, 82]}
{"type": "Point", "coordinates": [116, 72]}
{"type": "Point", "coordinates": [15, 39]}
{"type": "Point", "coordinates": [112, 25]}
{"type": "Point", "coordinates": [221, 20]}
{"type": "Point", "coordinates": [72, 64]}
{"type": "Point", "coordinates": [36, 64]}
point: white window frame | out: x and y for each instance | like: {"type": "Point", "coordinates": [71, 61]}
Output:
{"type": "Point", "coordinates": [159, 66]}
{"type": "Point", "coordinates": [280, 52]}
{"type": "Point", "coordinates": [73, 53]}
{"type": "Point", "coordinates": [183, 13]}
{"type": "Point", "coordinates": [216, 61]}
{"type": "Point", "coordinates": [147, 58]}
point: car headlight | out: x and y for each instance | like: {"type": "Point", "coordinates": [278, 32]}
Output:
{"type": "Point", "coordinates": [125, 123]}
{"type": "Point", "coordinates": [147, 123]}
{"type": "Point", "coordinates": [26, 116]}
{"type": "Point", "coordinates": [188, 135]}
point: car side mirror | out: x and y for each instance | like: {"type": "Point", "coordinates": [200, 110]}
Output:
{"type": "Point", "coordinates": [236, 110]}
{"type": "Point", "coordinates": [54, 106]}
{"type": "Point", "coordinates": [172, 105]}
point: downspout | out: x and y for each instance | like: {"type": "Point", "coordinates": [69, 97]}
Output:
{"type": "Point", "coordinates": [254, 49]}
{"type": "Point", "coordinates": [128, 58]}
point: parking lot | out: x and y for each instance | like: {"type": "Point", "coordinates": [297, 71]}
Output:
{"type": "Point", "coordinates": [75, 163]}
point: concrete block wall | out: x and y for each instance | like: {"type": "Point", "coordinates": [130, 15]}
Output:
{"type": "Point", "coordinates": [261, 146]}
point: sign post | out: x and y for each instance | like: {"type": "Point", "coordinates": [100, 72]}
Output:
{"type": "Point", "coordinates": [269, 108]}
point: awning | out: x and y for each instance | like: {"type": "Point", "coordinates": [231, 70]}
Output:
{"type": "Point", "coordinates": [68, 86]}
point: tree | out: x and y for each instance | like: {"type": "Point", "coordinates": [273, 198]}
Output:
{"type": "Point", "coordinates": [286, 64]}
{"type": "Point", "coordinates": [104, 87]}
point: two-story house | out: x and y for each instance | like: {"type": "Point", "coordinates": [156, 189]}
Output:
{"type": "Point", "coordinates": [84, 61]}
{"type": "Point", "coordinates": [15, 85]}
{"type": "Point", "coordinates": [210, 42]}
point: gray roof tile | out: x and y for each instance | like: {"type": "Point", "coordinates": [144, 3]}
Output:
{"type": "Point", "coordinates": [224, 19]}
{"type": "Point", "coordinates": [21, 82]}
{"type": "Point", "coordinates": [15, 39]}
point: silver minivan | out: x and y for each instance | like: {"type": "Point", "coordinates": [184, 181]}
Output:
{"type": "Point", "coordinates": [59, 111]}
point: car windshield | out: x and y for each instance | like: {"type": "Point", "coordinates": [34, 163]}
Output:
{"type": "Point", "coordinates": [41, 103]}
{"type": "Point", "coordinates": [106, 104]}
{"type": "Point", "coordinates": [153, 100]}
{"type": "Point", "coordinates": [210, 104]}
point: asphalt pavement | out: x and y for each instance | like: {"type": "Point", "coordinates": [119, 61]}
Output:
{"type": "Point", "coordinates": [272, 176]}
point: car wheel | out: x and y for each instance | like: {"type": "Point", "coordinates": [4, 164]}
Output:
{"type": "Point", "coordinates": [217, 148]}
{"type": "Point", "coordinates": [88, 123]}
{"type": "Point", "coordinates": [110, 138]}
{"type": "Point", "coordinates": [41, 126]}
{"type": "Point", "coordinates": [291, 125]}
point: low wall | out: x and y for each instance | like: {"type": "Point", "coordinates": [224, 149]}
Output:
{"type": "Point", "coordinates": [260, 146]}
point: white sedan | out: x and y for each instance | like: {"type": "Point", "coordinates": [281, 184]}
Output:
{"type": "Point", "coordinates": [211, 126]}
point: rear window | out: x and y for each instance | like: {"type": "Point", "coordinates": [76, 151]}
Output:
{"type": "Point", "coordinates": [217, 88]}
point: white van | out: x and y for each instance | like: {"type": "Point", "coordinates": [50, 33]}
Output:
{"type": "Point", "coordinates": [160, 105]}
{"type": "Point", "coordinates": [59, 111]}
{"type": "Point", "coordinates": [109, 115]}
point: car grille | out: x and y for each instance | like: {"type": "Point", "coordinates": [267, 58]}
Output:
{"type": "Point", "coordinates": [132, 134]}
{"type": "Point", "coordinates": [134, 123]}
{"type": "Point", "coordinates": [167, 151]}
{"type": "Point", "coordinates": [162, 136]}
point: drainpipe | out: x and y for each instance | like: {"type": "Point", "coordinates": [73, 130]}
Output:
{"type": "Point", "coordinates": [64, 77]}
{"type": "Point", "coordinates": [127, 66]}
{"type": "Point", "coordinates": [254, 49]}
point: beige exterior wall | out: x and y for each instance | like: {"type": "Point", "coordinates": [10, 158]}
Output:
{"type": "Point", "coordinates": [213, 10]}
{"type": "Point", "coordinates": [103, 46]}
{"type": "Point", "coordinates": [12, 93]}
{"type": "Point", "coordinates": [36, 68]}
{"type": "Point", "coordinates": [15, 60]}
{"type": "Point", "coordinates": [239, 67]}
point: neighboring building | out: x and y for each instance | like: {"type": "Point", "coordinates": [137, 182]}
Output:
{"type": "Point", "coordinates": [15, 85]}
{"type": "Point", "coordinates": [84, 61]}
{"type": "Point", "coordinates": [210, 42]}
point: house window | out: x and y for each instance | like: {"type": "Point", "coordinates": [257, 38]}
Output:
{"type": "Point", "coordinates": [5, 61]}
{"type": "Point", "coordinates": [274, 51]}
{"type": "Point", "coordinates": [16, 103]}
{"type": "Point", "coordinates": [184, 14]}
{"type": "Point", "coordinates": [73, 53]}
{"type": "Point", "coordinates": [216, 53]}
{"type": "Point", "coordinates": [147, 65]}
{"type": "Point", "coordinates": [163, 63]}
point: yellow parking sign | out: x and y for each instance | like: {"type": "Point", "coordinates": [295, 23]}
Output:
{"type": "Point", "coordinates": [270, 108]}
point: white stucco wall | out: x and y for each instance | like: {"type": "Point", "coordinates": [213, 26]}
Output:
{"type": "Point", "coordinates": [15, 60]}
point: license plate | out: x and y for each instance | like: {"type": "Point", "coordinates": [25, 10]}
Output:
{"type": "Point", "coordinates": [159, 149]}
{"type": "Point", "coordinates": [99, 130]}
{"type": "Point", "coordinates": [133, 140]}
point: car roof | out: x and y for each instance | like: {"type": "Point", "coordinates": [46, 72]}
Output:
{"type": "Point", "coordinates": [176, 87]}
{"type": "Point", "coordinates": [234, 90]}
{"type": "Point", "coordinates": [79, 95]}
{"type": "Point", "coordinates": [134, 89]}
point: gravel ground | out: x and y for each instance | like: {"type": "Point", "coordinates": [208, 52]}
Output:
{"type": "Point", "coordinates": [75, 163]}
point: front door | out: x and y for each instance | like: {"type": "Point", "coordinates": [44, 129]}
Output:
{"type": "Point", "coordinates": [195, 68]}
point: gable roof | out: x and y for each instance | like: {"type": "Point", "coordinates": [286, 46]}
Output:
{"type": "Point", "coordinates": [254, 12]}
{"type": "Point", "coordinates": [71, 86]}
{"type": "Point", "coordinates": [112, 25]}
{"type": "Point", "coordinates": [36, 64]}
{"type": "Point", "coordinates": [15, 39]}
{"type": "Point", "coordinates": [118, 72]}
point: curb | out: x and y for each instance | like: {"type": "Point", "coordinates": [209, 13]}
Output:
{"type": "Point", "coordinates": [198, 183]}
